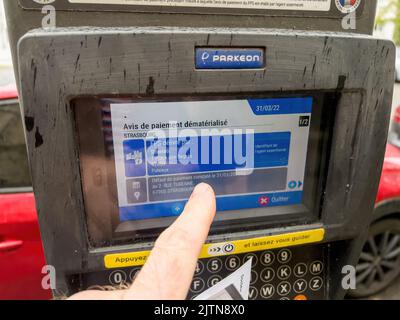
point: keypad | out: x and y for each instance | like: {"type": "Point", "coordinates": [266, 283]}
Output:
{"type": "Point", "coordinates": [297, 273]}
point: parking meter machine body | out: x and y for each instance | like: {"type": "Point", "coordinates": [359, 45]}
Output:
{"type": "Point", "coordinates": [288, 127]}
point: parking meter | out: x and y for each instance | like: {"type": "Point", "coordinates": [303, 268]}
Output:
{"type": "Point", "coordinates": [122, 121]}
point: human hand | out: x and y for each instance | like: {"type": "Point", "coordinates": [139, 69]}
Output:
{"type": "Point", "coordinates": [169, 270]}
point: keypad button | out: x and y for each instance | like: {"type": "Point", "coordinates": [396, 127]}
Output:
{"type": "Point", "coordinates": [267, 258]}
{"type": "Point", "coordinates": [284, 288]}
{"type": "Point", "coordinates": [254, 277]}
{"type": "Point", "coordinates": [284, 256]}
{"type": "Point", "coordinates": [284, 298]}
{"type": "Point", "coordinates": [315, 283]}
{"type": "Point", "coordinates": [300, 285]}
{"type": "Point", "coordinates": [214, 265]}
{"type": "Point", "coordinates": [197, 285]}
{"type": "Point", "coordinates": [232, 263]}
{"type": "Point", "coordinates": [267, 291]}
{"type": "Point", "coordinates": [133, 274]}
{"type": "Point", "coordinates": [254, 260]}
{"type": "Point", "coordinates": [267, 275]}
{"type": "Point", "coordinates": [284, 272]}
{"type": "Point", "coordinates": [300, 297]}
{"type": "Point", "coordinates": [316, 267]}
{"type": "Point", "coordinates": [300, 270]}
{"type": "Point", "coordinates": [213, 280]}
{"type": "Point", "coordinates": [253, 293]}
{"type": "Point", "coordinates": [117, 277]}
{"type": "Point", "coordinates": [199, 268]}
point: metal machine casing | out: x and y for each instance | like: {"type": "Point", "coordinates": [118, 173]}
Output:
{"type": "Point", "coordinates": [57, 65]}
{"type": "Point", "coordinates": [111, 49]}
{"type": "Point", "coordinates": [107, 15]}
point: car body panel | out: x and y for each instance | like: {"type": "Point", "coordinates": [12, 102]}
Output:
{"type": "Point", "coordinates": [21, 252]}
{"type": "Point", "coordinates": [8, 92]}
{"type": "Point", "coordinates": [389, 186]}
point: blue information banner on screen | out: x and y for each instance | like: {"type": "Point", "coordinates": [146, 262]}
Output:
{"type": "Point", "coordinates": [252, 152]}
{"type": "Point", "coordinates": [270, 150]}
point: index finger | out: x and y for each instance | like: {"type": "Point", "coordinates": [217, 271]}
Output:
{"type": "Point", "coordinates": [169, 269]}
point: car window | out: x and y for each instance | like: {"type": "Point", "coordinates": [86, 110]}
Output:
{"type": "Point", "coordinates": [14, 172]}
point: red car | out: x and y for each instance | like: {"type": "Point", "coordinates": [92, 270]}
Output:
{"type": "Point", "coordinates": [21, 253]}
{"type": "Point", "coordinates": [379, 263]}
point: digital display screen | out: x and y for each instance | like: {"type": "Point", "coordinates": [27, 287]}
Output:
{"type": "Point", "coordinates": [253, 152]}
{"type": "Point", "coordinates": [265, 155]}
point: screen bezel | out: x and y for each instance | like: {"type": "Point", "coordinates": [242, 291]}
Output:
{"type": "Point", "coordinates": [106, 229]}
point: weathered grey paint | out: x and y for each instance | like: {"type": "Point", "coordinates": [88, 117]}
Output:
{"type": "Point", "coordinates": [20, 20]}
{"type": "Point", "coordinates": [60, 64]}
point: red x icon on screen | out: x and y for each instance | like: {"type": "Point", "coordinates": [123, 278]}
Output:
{"type": "Point", "coordinates": [263, 201]}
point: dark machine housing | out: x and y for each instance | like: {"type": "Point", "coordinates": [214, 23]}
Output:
{"type": "Point", "coordinates": [75, 79]}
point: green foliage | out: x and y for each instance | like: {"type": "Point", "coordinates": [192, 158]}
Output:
{"type": "Point", "coordinates": [390, 14]}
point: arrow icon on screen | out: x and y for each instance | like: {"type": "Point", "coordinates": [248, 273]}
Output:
{"type": "Point", "coordinates": [299, 184]}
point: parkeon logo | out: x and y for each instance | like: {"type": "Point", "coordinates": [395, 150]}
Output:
{"type": "Point", "coordinates": [229, 58]}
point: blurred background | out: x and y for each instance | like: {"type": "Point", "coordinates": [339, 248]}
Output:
{"type": "Point", "coordinates": [6, 72]}
{"type": "Point", "coordinates": [388, 27]}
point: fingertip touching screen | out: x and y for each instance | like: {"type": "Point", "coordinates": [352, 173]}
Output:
{"type": "Point", "coordinates": [140, 160]}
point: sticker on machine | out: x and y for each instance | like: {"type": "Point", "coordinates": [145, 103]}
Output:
{"type": "Point", "coordinates": [210, 250]}
{"type": "Point", "coordinates": [347, 6]}
{"type": "Point", "coordinates": [302, 5]}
